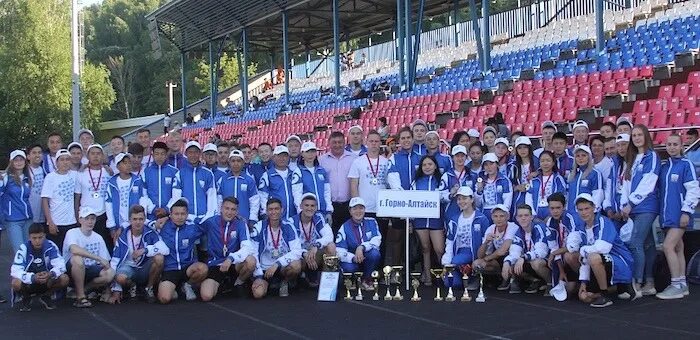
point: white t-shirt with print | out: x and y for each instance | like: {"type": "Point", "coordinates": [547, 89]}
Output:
{"type": "Point", "coordinates": [363, 170]}
{"type": "Point", "coordinates": [37, 175]}
{"type": "Point", "coordinates": [86, 181]}
{"type": "Point", "coordinates": [93, 243]}
{"type": "Point", "coordinates": [59, 190]}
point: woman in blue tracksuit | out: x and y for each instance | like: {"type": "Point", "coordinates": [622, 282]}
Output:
{"type": "Point", "coordinates": [430, 230]}
{"type": "Point", "coordinates": [456, 178]}
{"type": "Point", "coordinates": [584, 179]}
{"type": "Point", "coordinates": [502, 151]}
{"type": "Point", "coordinates": [521, 171]}
{"type": "Point", "coordinates": [547, 182]}
{"type": "Point", "coordinates": [16, 187]}
{"type": "Point", "coordinates": [493, 187]}
{"type": "Point", "coordinates": [613, 184]}
{"type": "Point", "coordinates": [314, 179]}
{"type": "Point", "coordinates": [678, 187]}
{"type": "Point", "coordinates": [640, 202]}
{"type": "Point", "coordinates": [464, 234]}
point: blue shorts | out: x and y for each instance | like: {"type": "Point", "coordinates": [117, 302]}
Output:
{"type": "Point", "coordinates": [137, 275]}
{"type": "Point", "coordinates": [91, 272]}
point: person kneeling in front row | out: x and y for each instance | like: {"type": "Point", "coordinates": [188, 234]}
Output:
{"type": "Point", "coordinates": [38, 269]}
{"type": "Point", "coordinates": [358, 242]}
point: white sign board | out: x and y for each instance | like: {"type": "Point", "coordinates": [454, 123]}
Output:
{"type": "Point", "coordinates": [408, 204]}
{"type": "Point", "coordinates": [328, 289]}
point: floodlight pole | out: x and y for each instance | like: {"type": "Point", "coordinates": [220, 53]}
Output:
{"type": "Point", "coordinates": [400, 42]}
{"type": "Point", "coordinates": [477, 31]}
{"type": "Point", "coordinates": [336, 45]}
{"type": "Point", "coordinates": [409, 44]}
{"type": "Point", "coordinates": [212, 81]}
{"type": "Point", "coordinates": [75, 76]}
{"type": "Point", "coordinates": [416, 48]}
{"type": "Point", "coordinates": [171, 86]}
{"type": "Point", "coordinates": [244, 71]}
{"type": "Point", "coordinates": [183, 87]}
{"type": "Point", "coordinates": [600, 37]}
{"type": "Point", "coordinates": [486, 41]}
{"type": "Point", "coordinates": [285, 54]}
{"type": "Point", "coordinates": [307, 65]}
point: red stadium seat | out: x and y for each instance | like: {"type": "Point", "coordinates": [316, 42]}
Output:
{"type": "Point", "coordinates": [658, 120]}
{"type": "Point", "coordinates": [673, 104]}
{"type": "Point", "coordinates": [538, 84]}
{"type": "Point", "coordinates": [695, 89]}
{"type": "Point", "coordinates": [549, 83]}
{"type": "Point", "coordinates": [694, 117]}
{"type": "Point", "coordinates": [681, 90]}
{"type": "Point", "coordinates": [606, 76]}
{"type": "Point", "coordinates": [694, 77]}
{"type": "Point", "coordinates": [656, 106]}
{"type": "Point", "coordinates": [558, 116]}
{"type": "Point", "coordinates": [570, 114]}
{"type": "Point", "coordinates": [594, 77]}
{"type": "Point", "coordinates": [677, 118]}
{"type": "Point", "coordinates": [642, 118]}
{"type": "Point", "coordinates": [646, 71]}
{"type": "Point", "coordinates": [689, 102]}
{"type": "Point", "coordinates": [582, 78]}
{"type": "Point", "coordinates": [666, 91]}
{"type": "Point", "coordinates": [640, 106]}
{"type": "Point", "coordinates": [527, 86]}
{"type": "Point", "coordinates": [619, 74]}
{"type": "Point", "coordinates": [570, 80]}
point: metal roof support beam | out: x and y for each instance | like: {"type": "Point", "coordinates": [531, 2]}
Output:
{"type": "Point", "coordinates": [272, 66]}
{"type": "Point", "coordinates": [212, 80]}
{"type": "Point", "coordinates": [455, 11]}
{"type": "Point", "coordinates": [600, 36]}
{"type": "Point", "coordinates": [486, 41]}
{"type": "Point", "coordinates": [285, 54]}
{"type": "Point", "coordinates": [183, 82]}
{"type": "Point", "coordinates": [477, 31]}
{"type": "Point", "coordinates": [400, 41]}
{"type": "Point", "coordinates": [336, 44]}
{"type": "Point", "coordinates": [628, 3]}
{"type": "Point", "coordinates": [244, 72]}
{"type": "Point", "coordinates": [409, 44]}
{"type": "Point", "coordinates": [308, 61]}
{"type": "Point", "coordinates": [416, 48]}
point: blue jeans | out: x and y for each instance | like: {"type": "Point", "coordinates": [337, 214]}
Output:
{"type": "Point", "coordinates": [642, 247]}
{"type": "Point", "coordinates": [372, 259]}
{"type": "Point", "coordinates": [18, 232]}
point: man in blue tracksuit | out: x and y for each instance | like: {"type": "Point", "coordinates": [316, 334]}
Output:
{"type": "Point", "coordinates": [420, 129]}
{"type": "Point", "coordinates": [123, 191]}
{"type": "Point", "coordinates": [159, 180]}
{"type": "Point", "coordinates": [403, 163]}
{"type": "Point", "coordinates": [258, 169]}
{"type": "Point", "coordinates": [210, 156]}
{"type": "Point", "coordinates": [175, 158]}
{"type": "Point", "coordinates": [358, 242]}
{"type": "Point", "coordinates": [38, 268]}
{"type": "Point", "coordinates": [278, 183]}
{"type": "Point", "coordinates": [613, 184]}
{"type": "Point", "coordinates": [181, 266]}
{"type": "Point", "coordinates": [315, 235]}
{"type": "Point", "coordinates": [561, 224]}
{"type": "Point", "coordinates": [355, 141]}
{"type": "Point", "coordinates": [137, 258]}
{"type": "Point", "coordinates": [242, 186]}
{"type": "Point", "coordinates": [196, 183]}
{"type": "Point", "coordinates": [231, 251]}
{"type": "Point", "coordinates": [530, 252]}
{"type": "Point", "coordinates": [314, 179]}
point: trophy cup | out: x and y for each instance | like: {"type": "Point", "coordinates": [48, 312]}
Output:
{"type": "Point", "coordinates": [450, 295]}
{"type": "Point", "coordinates": [387, 280]}
{"type": "Point", "coordinates": [397, 270]}
{"type": "Point", "coordinates": [375, 284]}
{"type": "Point", "coordinates": [359, 296]}
{"type": "Point", "coordinates": [347, 280]}
{"type": "Point", "coordinates": [465, 281]}
{"type": "Point", "coordinates": [415, 283]}
{"type": "Point", "coordinates": [438, 275]}
{"type": "Point", "coordinates": [330, 263]}
{"type": "Point", "coordinates": [481, 297]}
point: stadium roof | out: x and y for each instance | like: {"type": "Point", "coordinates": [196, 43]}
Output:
{"type": "Point", "coordinates": [191, 23]}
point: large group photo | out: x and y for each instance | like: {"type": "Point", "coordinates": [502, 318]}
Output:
{"type": "Point", "coordinates": [461, 170]}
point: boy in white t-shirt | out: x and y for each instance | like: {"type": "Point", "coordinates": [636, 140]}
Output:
{"type": "Point", "coordinates": [87, 258]}
{"type": "Point", "coordinates": [91, 190]}
{"type": "Point", "coordinates": [57, 199]}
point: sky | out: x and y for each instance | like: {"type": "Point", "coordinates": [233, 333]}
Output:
{"type": "Point", "coordinates": [86, 3]}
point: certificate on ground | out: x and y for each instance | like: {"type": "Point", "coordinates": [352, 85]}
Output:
{"type": "Point", "coordinates": [328, 288]}
{"type": "Point", "coordinates": [408, 204]}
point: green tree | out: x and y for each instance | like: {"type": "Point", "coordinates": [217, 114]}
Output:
{"type": "Point", "coordinates": [97, 95]}
{"type": "Point", "coordinates": [228, 73]}
{"type": "Point", "coordinates": [35, 73]}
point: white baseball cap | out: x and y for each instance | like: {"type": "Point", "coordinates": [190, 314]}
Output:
{"type": "Point", "coordinates": [459, 148]}
{"type": "Point", "coordinates": [355, 127]}
{"type": "Point", "coordinates": [120, 157]}
{"type": "Point", "coordinates": [585, 197]}
{"type": "Point", "coordinates": [62, 152]}
{"type": "Point", "coordinates": [549, 124]}
{"type": "Point", "coordinates": [583, 147]}
{"type": "Point", "coordinates": [522, 140]}
{"type": "Point", "coordinates": [308, 146]}
{"type": "Point", "coordinates": [489, 157]}
{"type": "Point", "coordinates": [419, 122]}
{"type": "Point", "coordinates": [623, 137]}
{"type": "Point", "coordinates": [86, 211]}
{"type": "Point", "coordinates": [17, 153]}
{"type": "Point", "coordinates": [357, 201]}
{"type": "Point", "coordinates": [623, 120]}
{"type": "Point", "coordinates": [465, 191]}
{"type": "Point", "coordinates": [236, 153]}
{"type": "Point", "coordinates": [432, 132]}
{"type": "Point", "coordinates": [473, 133]}
{"type": "Point", "coordinates": [489, 128]}
{"type": "Point", "coordinates": [580, 123]}
{"type": "Point", "coordinates": [502, 140]}
{"type": "Point", "coordinates": [210, 147]}
{"type": "Point", "coordinates": [82, 131]}
{"type": "Point", "coordinates": [279, 149]}
{"type": "Point", "coordinates": [501, 207]}
{"type": "Point", "coordinates": [309, 195]}
{"type": "Point", "coordinates": [95, 146]}
{"type": "Point", "coordinates": [73, 145]}
{"type": "Point", "coordinates": [193, 143]}
{"type": "Point", "coordinates": [293, 137]}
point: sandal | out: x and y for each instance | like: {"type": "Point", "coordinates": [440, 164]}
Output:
{"type": "Point", "coordinates": [82, 303]}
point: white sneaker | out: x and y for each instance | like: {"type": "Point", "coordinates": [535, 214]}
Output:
{"type": "Point", "coordinates": [671, 292]}
{"type": "Point", "coordinates": [648, 289]}
{"type": "Point", "coordinates": [189, 292]}
{"type": "Point", "coordinates": [284, 289]}
{"type": "Point", "coordinates": [686, 291]}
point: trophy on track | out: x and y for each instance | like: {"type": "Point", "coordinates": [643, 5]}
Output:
{"type": "Point", "coordinates": [387, 281]}
{"type": "Point", "coordinates": [330, 263]}
{"type": "Point", "coordinates": [438, 275]}
{"type": "Point", "coordinates": [450, 277]}
{"type": "Point", "coordinates": [375, 284]}
{"type": "Point", "coordinates": [415, 283]}
{"type": "Point", "coordinates": [481, 297]}
{"type": "Point", "coordinates": [347, 280]}
{"type": "Point", "coordinates": [397, 275]}
{"type": "Point", "coordinates": [465, 281]}
{"type": "Point", "coordinates": [359, 295]}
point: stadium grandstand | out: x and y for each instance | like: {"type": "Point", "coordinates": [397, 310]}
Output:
{"type": "Point", "coordinates": [545, 64]}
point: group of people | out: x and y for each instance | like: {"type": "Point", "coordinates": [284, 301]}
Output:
{"type": "Point", "coordinates": [151, 220]}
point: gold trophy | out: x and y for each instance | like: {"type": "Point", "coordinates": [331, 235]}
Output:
{"type": "Point", "coordinates": [481, 297]}
{"type": "Point", "coordinates": [397, 270]}
{"type": "Point", "coordinates": [438, 275]}
{"type": "Point", "coordinates": [375, 284]}
{"type": "Point", "coordinates": [465, 296]}
{"type": "Point", "coordinates": [359, 296]}
{"type": "Point", "coordinates": [347, 280]}
{"type": "Point", "coordinates": [415, 282]}
{"type": "Point", "coordinates": [387, 280]}
{"type": "Point", "coordinates": [330, 263]}
{"type": "Point", "coordinates": [450, 295]}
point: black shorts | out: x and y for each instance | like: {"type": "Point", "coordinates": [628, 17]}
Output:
{"type": "Point", "coordinates": [527, 269]}
{"type": "Point", "coordinates": [176, 277]}
{"type": "Point", "coordinates": [593, 286]}
{"type": "Point", "coordinates": [34, 289]}
{"type": "Point", "coordinates": [217, 275]}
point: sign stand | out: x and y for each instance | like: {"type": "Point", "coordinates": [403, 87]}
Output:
{"type": "Point", "coordinates": [407, 280]}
